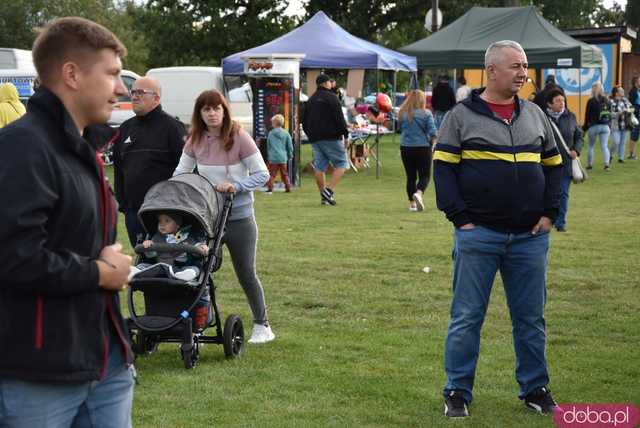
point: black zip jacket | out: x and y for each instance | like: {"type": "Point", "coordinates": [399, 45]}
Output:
{"type": "Point", "coordinates": [572, 135]}
{"type": "Point", "coordinates": [146, 152]}
{"type": "Point", "coordinates": [57, 215]}
{"type": "Point", "coordinates": [443, 98]}
{"type": "Point", "coordinates": [322, 118]}
{"type": "Point", "coordinates": [501, 175]}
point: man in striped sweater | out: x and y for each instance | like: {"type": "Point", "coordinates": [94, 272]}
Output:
{"type": "Point", "coordinates": [497, 175]}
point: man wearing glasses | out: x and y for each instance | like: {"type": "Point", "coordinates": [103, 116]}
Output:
{"type": "Point", "coordinates": [146, 152]}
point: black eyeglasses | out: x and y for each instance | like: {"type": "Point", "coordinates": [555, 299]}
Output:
{"type": "Point", "coordinates": [140, 92]}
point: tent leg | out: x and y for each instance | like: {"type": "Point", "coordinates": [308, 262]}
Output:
{"type": "Point", "coordinates": [377, 129]}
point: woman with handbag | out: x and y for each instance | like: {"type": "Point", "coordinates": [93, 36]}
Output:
{"type": "Point", "coordinates": [569, 147]}
{"type": "Point", "coordinates": [621, 109]}
{"type": "Point", "coordinates": [597, 122]}
{"type": "Point", "coordinates": [418, 134]}
{"type": "Point", "coordinates": [227, 156]}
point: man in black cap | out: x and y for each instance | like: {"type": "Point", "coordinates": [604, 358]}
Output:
{"type": "Point", "coordinates": [324, 124]}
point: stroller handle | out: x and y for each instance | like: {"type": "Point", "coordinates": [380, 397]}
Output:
{"type": "Point", "coordinates": [170, 248]}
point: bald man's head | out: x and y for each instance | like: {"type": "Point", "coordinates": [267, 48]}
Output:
{"type": "Point", "coordinates": [145, 95]}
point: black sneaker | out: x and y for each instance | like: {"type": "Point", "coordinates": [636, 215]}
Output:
{"type": "Point", "coordinates": [561, 228]}
{"type": "Point", "coordinates": [455, 406]}
{"type": "Point", "coordinates": [620, 161]}
{"type": "Point", "coordinates": [589, 167]}
{"type": "Point", "coordinates": [632, 157]}
{"type": "Point", "coordinates": [327, 195]}
{"type": "Point", "coordinates": [540, 401]}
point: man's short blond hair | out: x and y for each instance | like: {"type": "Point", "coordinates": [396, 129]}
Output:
{"type": "Point", "coordinates": [74, 39]}
{"type": "Point", "coordinates": [278, 120]}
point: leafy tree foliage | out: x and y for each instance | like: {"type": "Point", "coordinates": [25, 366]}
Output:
{"type": "Point", "coordinates": [200, 32]}
{"type": "Point", "coordinates": [24, 17]}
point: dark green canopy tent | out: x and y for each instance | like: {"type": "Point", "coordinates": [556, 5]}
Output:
{"type": "Point", "coordinates": [462, 43]}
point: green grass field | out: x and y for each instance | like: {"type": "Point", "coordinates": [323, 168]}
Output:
{"type": "Point", "coordinates": [360, 328]}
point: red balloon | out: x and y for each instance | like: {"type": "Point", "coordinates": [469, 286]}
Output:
{"type": "Point", "coordinates": [383, 102]}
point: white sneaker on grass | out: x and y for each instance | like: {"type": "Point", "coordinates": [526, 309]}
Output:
{"type": "Point", "coordinates": [417, 198]}
{"type": "Point", "coordinates": [261, 334]}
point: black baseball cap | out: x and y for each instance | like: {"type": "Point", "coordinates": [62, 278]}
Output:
{"type": "Point", "coordinates": [322, 78]}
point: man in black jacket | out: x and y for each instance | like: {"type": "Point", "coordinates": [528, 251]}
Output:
{"type": "Point", "coordinates": [634, 98]}
{"type": "Point", "coordinates": [146, 152]}
{"type": "Point", "coordinates": [442, 100]}
{"type": "Point", "coordinates": [324, 124]}
{"type": "Point", "coordinates": [65, 353]}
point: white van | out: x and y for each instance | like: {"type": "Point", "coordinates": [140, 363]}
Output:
{"type": "Point", "coordinates": [182, 85]}
{"type": "Point", "coordinates": [16, 59]}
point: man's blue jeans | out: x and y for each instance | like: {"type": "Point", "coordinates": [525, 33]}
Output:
{"type": "Point", "coordinates": [565, 184]}
{"type": "Point", "coordinates": [105, 403]}
{"type": "Point", "coordinates": [522, 261]}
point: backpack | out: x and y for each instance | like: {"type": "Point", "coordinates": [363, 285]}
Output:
{"type": "Point", "coordinates": [604, 117]}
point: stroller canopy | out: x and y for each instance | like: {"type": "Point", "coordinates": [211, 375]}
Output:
{"type": "Point", "coordinates": [189, 194]}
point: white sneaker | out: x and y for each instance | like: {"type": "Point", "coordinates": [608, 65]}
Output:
{"type": "Point", "coordinates": [417, 197]}
{"type": "Point", "coordinates": [261, 334]}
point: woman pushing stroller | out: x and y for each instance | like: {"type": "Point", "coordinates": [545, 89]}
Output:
{"type": "Point", "coordinates": [227, 155]}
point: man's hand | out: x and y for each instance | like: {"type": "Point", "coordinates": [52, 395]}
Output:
{"type": "Point", "coordinates": [573, 154]}
{"type": "Point", "coordinates": [113, 268]}
{"type": "Point", "coordinates": [544, 225]}
{"type": "Point", "coordinates": [204, 248]}
{"type": "Point", "coordinates": [226, 187]}
{"type": "Point", "coordinates": [147, 243]}
{"type": "Point", "coordinates": [467, 226]}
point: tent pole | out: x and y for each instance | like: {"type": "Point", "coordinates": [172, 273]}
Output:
{"type": "Point", "coordinates": [377, 129]}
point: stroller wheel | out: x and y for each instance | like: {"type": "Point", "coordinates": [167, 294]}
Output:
{"type": "Point", "coordinates": [189, 355]}
{"type": "Point", "coordinates": [141, 344]}
{"type": "Point", "coordinates": [233, 336]}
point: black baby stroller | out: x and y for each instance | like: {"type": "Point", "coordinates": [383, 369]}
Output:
{"type": "Point", "coordinates": [170, 303]}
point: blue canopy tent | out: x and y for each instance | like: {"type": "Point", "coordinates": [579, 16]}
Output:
{"type": "Point", "coordinates": [326, 45]}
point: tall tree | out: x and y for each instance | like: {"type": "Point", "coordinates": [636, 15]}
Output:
{"type": "Point", "coordinates": [205, 31]}
{"type": "Point", "coordinates": [24, 17]}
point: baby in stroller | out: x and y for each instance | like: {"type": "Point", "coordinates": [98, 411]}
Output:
{"type": "Point", "coordinates": [177, 264]}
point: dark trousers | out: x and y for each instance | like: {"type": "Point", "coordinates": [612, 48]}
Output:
{"type": "Point", "coordinates": [134, 227]}
{"type": "Point", "coordinates": [273, 172]}
{"type": "Point", "coordinates": [417, 166]}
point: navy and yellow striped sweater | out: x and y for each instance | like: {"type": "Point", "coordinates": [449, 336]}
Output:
{"type": "Point", "coordinates": [497, 174]}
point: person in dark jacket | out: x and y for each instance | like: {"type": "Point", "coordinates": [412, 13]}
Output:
{"type": "Point", "coordinates": [442, 100]}
{"type": "Point", "coordinates": [572, 136]}
{"type": "Point", "coordinates": [497, 175]}
{"type": "Point", "coordinates": [324, 124]}
{"type": "Point", "coordinates": [549, 85]}
{"type": "Point", "coordinates": [65, 357]}
{"type": "Point", "coordinates": [597, 124]}
{"type": "Point", "coordinates": [146, 152]}
{"type": "Point", "coordinates": [634, 99]}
